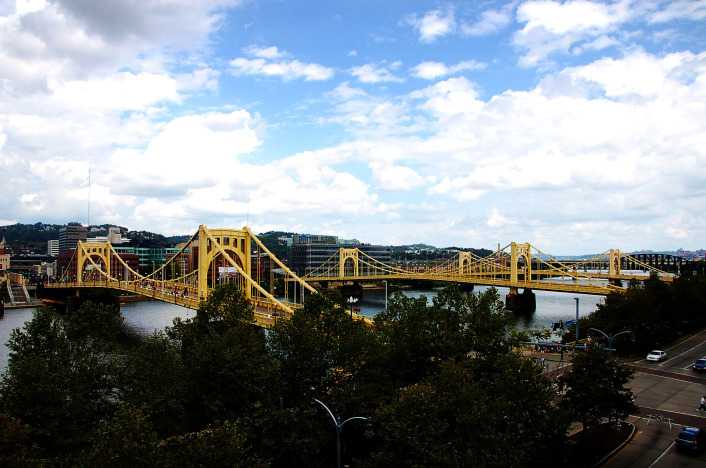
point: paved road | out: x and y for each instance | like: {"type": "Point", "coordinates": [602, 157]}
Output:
{"type": "Point", "coordinates": [653, 447]}
{"type": "Point", "coordinates": [669, 390]}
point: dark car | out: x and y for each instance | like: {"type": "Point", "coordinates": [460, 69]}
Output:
{"type": "Point", "coordinates": [699, 365]}
{"type": "Point", "coordinates": [691, 439]}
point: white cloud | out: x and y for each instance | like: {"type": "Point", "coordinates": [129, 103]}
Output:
{"type": "Point", "coordinates": [433, 24]}
{"type": "Point", "coordinates": [265, 63]}
{"type": "Point", "coordinates": [491, 21]}
{"type": "Point", "coordinates": [377, 73]}
{"type": "Point", "coordinates": [693, 10]}
{"type": "Point", "coordinates": [551, 27]}
{"type": "Point", "coordinates": [270, 52]}
{"type": "Point", "coordinates": [433, 70]}
{"type": "Point", "coordinates": [395, 177]}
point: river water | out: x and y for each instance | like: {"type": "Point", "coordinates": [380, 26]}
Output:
{"type": "Point", "coordinates": [149, 316]}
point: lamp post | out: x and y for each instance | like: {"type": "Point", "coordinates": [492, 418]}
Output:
{"type": "Point", "coordinates": [611, 338]}
{"type": "Point", "coordinates": [339, 427]}
{"type": "Point", "coordinates": [576, 340]}
{"type": "Point", "coordinates": [385, 281]}
{"type": "Point", "coordinates": [352, 300]}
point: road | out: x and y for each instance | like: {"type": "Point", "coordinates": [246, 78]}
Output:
{"type": "Point", "coordinates": [667, 394]}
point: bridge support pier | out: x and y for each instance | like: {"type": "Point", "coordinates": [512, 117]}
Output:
{"type": "Point", "coordinates": [525, 303]}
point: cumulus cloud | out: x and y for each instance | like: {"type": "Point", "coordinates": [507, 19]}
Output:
{"type": "Point", "coordinates": [433, 24]}
{"type": "Point", "coordinates": [377, 72]}
{"type": "Point", "coordinates": [551, 27]}
{"type": "Point", "coordinates": [432, 70]}
{"type": "Point", "coordinates": [490, 21]}
{"type": "Point", "coordinates": [269, 61]}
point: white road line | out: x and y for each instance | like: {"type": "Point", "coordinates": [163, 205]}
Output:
{"type": "Point", "coordinates": [680, 354]}
{"type": "Point", "coordinates": [675, 412]}
{"type": "Point", "coordinates": [672, 378]}
{"type": "Point", "coordinates": [661, 455]}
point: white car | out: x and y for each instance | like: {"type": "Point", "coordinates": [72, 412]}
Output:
{"type": "Point", "coordinates": [656, 355]}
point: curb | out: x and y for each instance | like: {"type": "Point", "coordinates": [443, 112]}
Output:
{"type": "Point", "coordinates": [618, 448]}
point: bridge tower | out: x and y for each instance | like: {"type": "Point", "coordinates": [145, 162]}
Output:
{"type": "Point", "coordinates": [464, 262]}
{"type": "Point", "coordinates": [235, 243]}
{"type": "Point", "coordinates": [343, 256]}
{"type": "Point", "coordinates": [92, 251]}
{"type": "Point", "coordinates": [613, 262]}
{"type": "Point", "coordinates": [517, 252]}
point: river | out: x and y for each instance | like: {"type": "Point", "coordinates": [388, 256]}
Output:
{"type": "Point", "coordinates": [149, 316]}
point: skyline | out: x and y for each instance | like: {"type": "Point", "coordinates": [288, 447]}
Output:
{"type": "Point", "coordinates": [575, 126]}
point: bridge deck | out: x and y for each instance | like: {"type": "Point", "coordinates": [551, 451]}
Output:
{"type": "Point", "coordinates": [573, 287]}
{"type": "Point", "coordinates": [265, 313]}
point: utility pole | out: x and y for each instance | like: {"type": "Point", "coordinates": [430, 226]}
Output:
{"type": "Point", "coordinates": [576, 340]}
{"type": "Point", "coordinates": [339, 427]}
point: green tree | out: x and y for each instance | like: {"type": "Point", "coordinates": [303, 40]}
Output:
{"type": "Point", "coordinates": [594, 388]}
{"type": "Point", "coordinates": [153, 379]}
{"type": "Point", "coordinates": [227, 367]}
{"type": "Point", "coordinates": [59, 387]}
{"type": "Point", "coordinates": [419, 337]}
{"type": "Point", "coordinates": [218, 445]}
{"type": "Point", "coordinates": [485, 412]}
{"type": "Point", "coordinates": [125, 439]}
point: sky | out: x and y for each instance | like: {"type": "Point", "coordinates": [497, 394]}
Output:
{"type": "Point", "coordinates": [576, 126]}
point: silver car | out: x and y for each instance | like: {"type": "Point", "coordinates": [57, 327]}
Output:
{"type": "Point", "coordinates": [656, 355]}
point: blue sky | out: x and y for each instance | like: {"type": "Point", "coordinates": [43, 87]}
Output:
{"type": "Point", "coordinates": [577, 126]}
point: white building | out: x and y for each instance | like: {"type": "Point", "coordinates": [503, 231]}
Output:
{"type": "Point", "coordinates": [115, 237]}
{"type": "Point", "coordinates": [53, 247]}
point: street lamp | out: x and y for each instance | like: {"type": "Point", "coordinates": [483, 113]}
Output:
{"type": "Point", "coordinates": [385, 281]}
{"type": "Point", "coordinates": [611, 338]}
{"type": "Point", "coordinates": [576, 340]}
{"type": "Point", "coordinates": [352, 300]}
{"type": "Point", "coordinates": [339, 427]}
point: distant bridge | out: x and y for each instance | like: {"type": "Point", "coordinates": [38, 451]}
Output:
{"type": "Point", "coordinates": [517, 265]}
{"type": "Point", "coordinates": [216, 256]}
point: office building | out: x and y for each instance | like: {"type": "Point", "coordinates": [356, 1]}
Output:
{"type": "Point", "coordinates": [70, 235]}
{"type": "Point", "coordinates": [53, 248]}
{"type": "Point", "coordinates": [149, 259]}
{"type": "Point", "coordinates": [311, 251]}
{"type": "Point", "coordinates": [114, 236]}
{"type": "Point", "coordinates": [4, 256]}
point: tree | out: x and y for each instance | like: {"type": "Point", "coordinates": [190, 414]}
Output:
{"type": "Point", "coordinates": [227, 367]}
{"type": "Point", "coordinates": [60, 388]}
{"type": "Point", "coordinates": [218, 445]}
{"type": "Point", "coordinates": [153, 379]}
{"type": "Point", "coordinates": [594, 388]}
{"type": "Point", "coordinates": [125, 439]}
{"type": "Point", "coordinates": [419, 337]}
{"type": "Point", "coordinates": [485, 412]}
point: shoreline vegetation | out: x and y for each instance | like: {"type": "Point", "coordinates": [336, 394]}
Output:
{"type": "Point", "coordinates": [439, 382]}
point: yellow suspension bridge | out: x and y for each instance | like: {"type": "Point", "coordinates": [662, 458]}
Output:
{"type": "Point", "coordinates": [215, 256]}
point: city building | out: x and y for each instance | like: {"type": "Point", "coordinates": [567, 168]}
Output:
{"type": "Point", "coordinates": [149, 259]}
{"type": "Point", "coordinates": [114, 236]}
{"type": "Point", "coordinates": [53, 248]}
{"type": "Point", "coordinates": [70, 235]}
{"type": "Point", "coordinates": [4, 256]}
{"type": "Point", "coordinates": [311, 251]}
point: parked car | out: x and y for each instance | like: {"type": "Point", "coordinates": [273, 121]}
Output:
{"type": "Point", "coordinates": [699, 365]}
{"type": "Point", "coordinates": [691, 439]}
{"type": "Point", "coordinates": [656, 355]}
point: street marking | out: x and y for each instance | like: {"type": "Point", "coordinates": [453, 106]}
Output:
{"type": "Point", "coordinates": [680, 354]}
{"type": "Point", "coordinates": [675, 412]}
{"type": "Point", "coordinates": [672, 378]}
{"type": "Point", "coordinates": [661, 455]}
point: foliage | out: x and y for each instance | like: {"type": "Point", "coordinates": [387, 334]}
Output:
{"type": "Point", "coordinates": [439, 380]}
{"type": "Point", "coordinates": [594, 388]}
{"type": "Point", "coordinates": [60, 387]}
{"type": "Point", "coordinates": [486, 412]}
{"type": "Point", "coordinates": [16, 447]}
{"type": "Point", "coordinates": [125, 439]}
{"type": "Point", "coordinates": [217, 445]}
{"type": "Point", "coordinates": [419, 337]}
{"type": "Point", "coordinates": [657, 312]}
